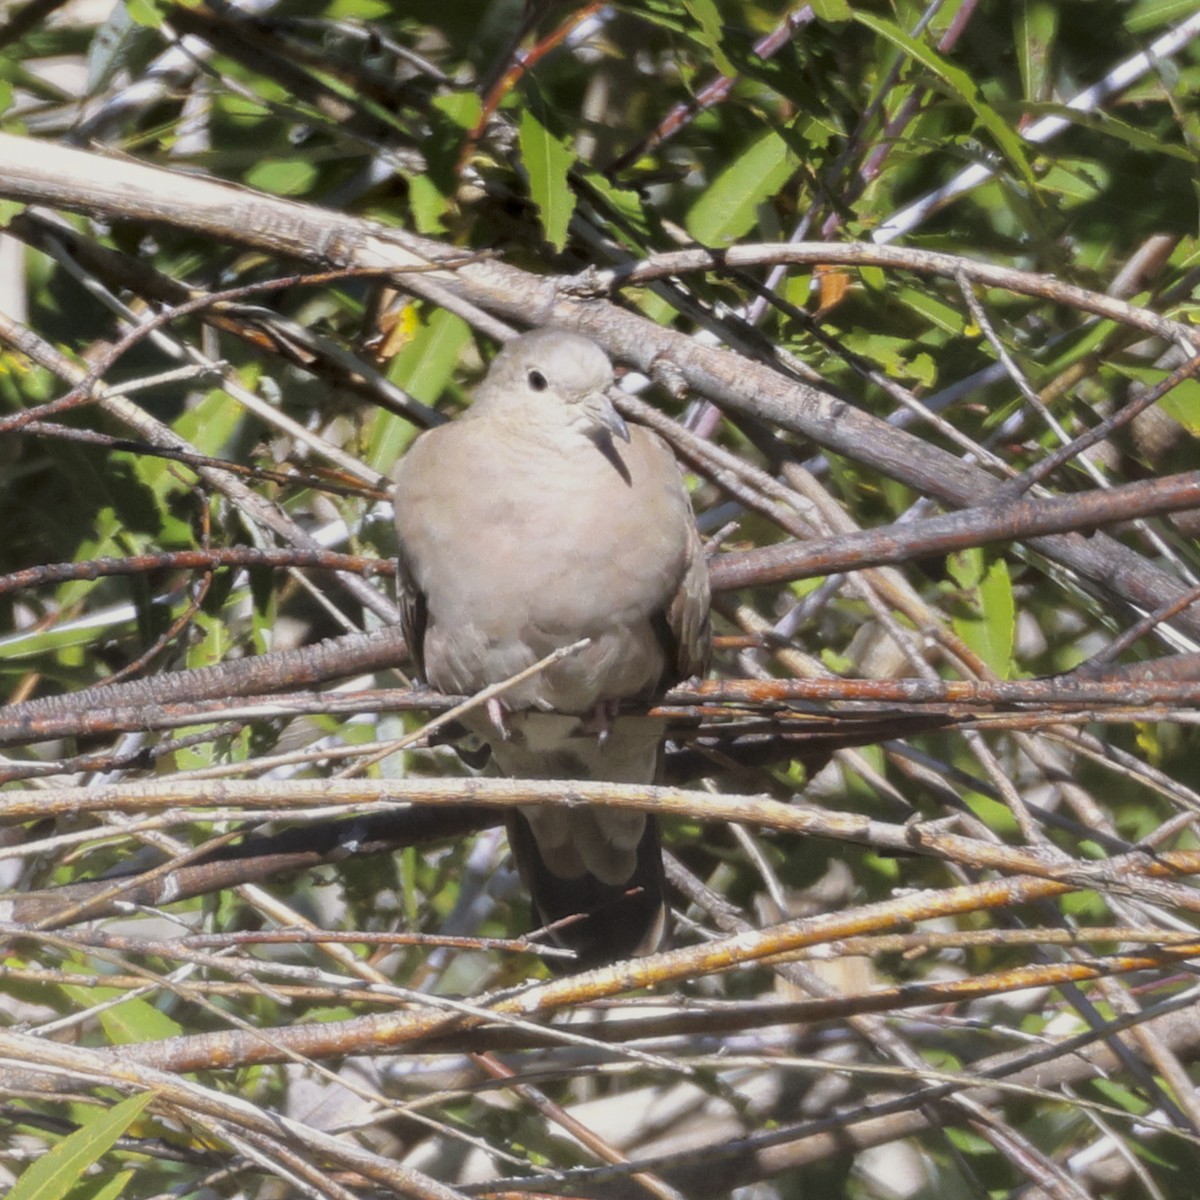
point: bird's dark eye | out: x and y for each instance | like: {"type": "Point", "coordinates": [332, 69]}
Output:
{"type": "Point", "coordinates": [537, 381]}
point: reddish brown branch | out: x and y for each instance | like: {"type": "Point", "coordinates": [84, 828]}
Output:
{"type": "Point", "coordinates": [1016, 520]}
{"type": "Point", "coordinates": [101, 709]}
{"type": "Point", "coordinates": [191, 560]}
{"type": "Point", "coordinates": [258, 858]}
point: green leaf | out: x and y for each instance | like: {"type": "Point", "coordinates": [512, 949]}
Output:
{"type": "Point", "coordinates": [962, 85]}
{"type": "Point", "coordinates": [358, 10]}
{"type": "Point", "coordinates": [896, 358]}
{"type": "Point", "coordinates": [992, 633]}
{"type": "Point", "coordinates": [997, 816]}
{"type": "Point", "coordinates": [547, 160]}
{"type": "Point", "coordinates": [1106, 123]}
{"type": "Point", "coordinates": [57, 1171]}
{"type": "Point", "coordinates": [936, 311]}
{"type": "Point", "coordinates": [832, 10]}
{"type": "Point", "coordinates": [1153, 14]}
{"type": "Point", "coordinates": [282, 176]}
{"type": "Point", "coordinates": [875, 278]}
{"type": "Point", "coordinates": [707, 16]}
{"type": "Point", "coordinates": [102, 1188]}
{"type": "Point", "coordinates": [213, 647]}
{"type": "Point", "coordinates": [1037, 25]}
{"type": "Point", "coordinates": [132, 1021]}
{"type": "Point", "coordinates": [728, 208]}
{"type": "Point", "coordinates": [923, 369]}
{"type": "Point", "coordinates": [426, 365]}
{"type": "Point", "coordinates": [965, 567]}
{"type": "Point", "coordinates": [628, 202]}
{"type": "Point", "coordinates": [1074, 184]}
{"type": "Point", "coordinates": [431, 194]}
{"type": "Point", "coordinates": [423, 368]}
{"type": "Point", "coordinates": [210, 427]}
{"type": "Point", "coordinates": [427, 203]}
{"type": "Point", "coordinates": [1123, 1097]}
{"type": "Point", "coordinates": [144, 12]}
{"type": "Point", "coordinates": [1183, 403]}
{"type": "Point", "coordinates": [463, 108]}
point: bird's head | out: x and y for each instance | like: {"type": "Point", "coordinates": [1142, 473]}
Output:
{"type": "Point", "coordinates": [557, 378]}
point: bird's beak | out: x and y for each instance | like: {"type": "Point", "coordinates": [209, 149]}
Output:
{"type": "Point", "coordinates": [604, 413]}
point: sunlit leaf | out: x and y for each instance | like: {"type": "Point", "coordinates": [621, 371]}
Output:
{"type": "Point", "coordinates": [961, 83]}
{"type": "Point", "coordinates": [57, 1171]}
{"type": "Point", "coordinates": [547, 160]}
{"type": "Point", "coordinates": [728, 207]}
{"type": "Point", "coordinates": [832, 10]}
{"type": "Point", "coordinates": [1037, 26]}
{"type": "Point", "coordinates": [992, 633]}
{"type": "Point", "coordinates": [283, 177]}
{"type": "Point", "coordinates": [423, 368]}
{"type": "Point", "coordinates": [131, 1020]}
{"type": "Point", "coordinates": [706, 15]}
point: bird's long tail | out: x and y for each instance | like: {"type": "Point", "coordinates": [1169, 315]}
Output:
{"type": "Point", "coordinates": [602, 922]}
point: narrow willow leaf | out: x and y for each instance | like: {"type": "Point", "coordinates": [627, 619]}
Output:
{"type": "Point", "coordinates": [728, 208]}
{"type": "Point", "coordinates": [936, 311]}
{"type": "Point", "coordinates": [144, 12]}
{"type": "Point", "coordinates": [1154, 14]}
{"type": "Point", "coordinates": [428, 204]}
{"type": "Point", "coordinates": [547, 160]}
{"type": "Point", "coordinates": [282, 176]}
{"type": "Point", "coordinates": [463, 108]}
{"type": "Point", "coordinates": [132, 1021]}
{"type": "Point", "coordinates": [832, 10]}
{"type": "Point", "coordinates": [103, 1189]}
{"type": "Point", "coordinates": [992, 634]}
{"type": "Point", "coordinates": [57, 1171]}
{"type": "Point", "coordinates": [1037, 27]}
{"type": "Point", "coordinates": [1111, 126]}
{"type": "Point", "coordinates": [707, 16]}
{"type": "Point", "coordinates": [423, 368]}
{"type": "Point", "coordinates": [962, 85]}
{"type": "Point", "coordinates": [426, 364]}
{"type": "Point", "coordinates": [1184, 405]}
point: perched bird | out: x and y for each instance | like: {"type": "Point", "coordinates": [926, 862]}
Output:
{"type": "Point", "coordinates": [536, 519]}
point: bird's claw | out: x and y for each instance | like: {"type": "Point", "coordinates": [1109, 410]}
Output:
{"type": "Point", "coordinates": [496, 714]}
{"type": "Point", "coordinates": [602, 718]}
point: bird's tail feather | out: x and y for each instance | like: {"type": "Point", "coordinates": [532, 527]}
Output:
{"type": "Point", "coordinates": [614, 921]}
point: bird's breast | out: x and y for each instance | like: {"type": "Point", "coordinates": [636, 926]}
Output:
{"type": "Point", "coordinates": [511, 571]}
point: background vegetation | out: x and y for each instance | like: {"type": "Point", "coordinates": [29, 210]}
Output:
{"type": "Point", "coordinates": [962, 954]}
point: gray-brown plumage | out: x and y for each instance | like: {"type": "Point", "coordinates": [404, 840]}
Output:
{"type": "Point", "coordinates": [532, 521]}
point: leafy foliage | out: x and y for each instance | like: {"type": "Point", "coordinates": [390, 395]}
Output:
{"type": "Point", "coordinates": [558, 138]}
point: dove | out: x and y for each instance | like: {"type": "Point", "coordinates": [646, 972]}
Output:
{"type": "Point", "coordinates": [536, 519]}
